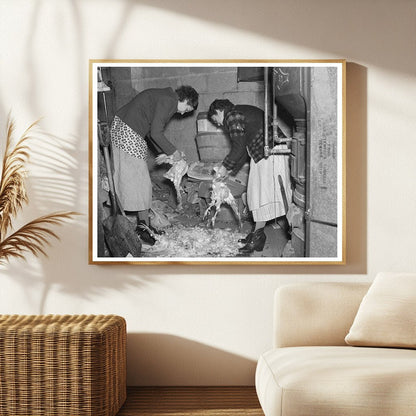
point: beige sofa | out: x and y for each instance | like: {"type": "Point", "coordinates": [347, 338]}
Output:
{"type": "Point", "coordinates": [311, 370]}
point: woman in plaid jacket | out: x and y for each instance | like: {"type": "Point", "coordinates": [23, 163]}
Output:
{"type": "Point", "coordinates": [244, 124]}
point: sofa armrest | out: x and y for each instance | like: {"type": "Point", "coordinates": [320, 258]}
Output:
{"type": "Point", "coordinates": [308, 314]}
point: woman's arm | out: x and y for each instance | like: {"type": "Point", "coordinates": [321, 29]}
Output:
{"type": "Point", "coordinates": [235, 124]}
{"type": "Point", "coordinates": [164, 111]}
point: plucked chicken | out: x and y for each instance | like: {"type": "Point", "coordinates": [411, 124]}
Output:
{"type": "Point", "coordinates": [174, 174]}
{"type": "Point", "coordinates": [221, 194]}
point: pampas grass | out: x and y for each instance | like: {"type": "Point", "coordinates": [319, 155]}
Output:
{"type": "Point", "coordinates": [34, 236]}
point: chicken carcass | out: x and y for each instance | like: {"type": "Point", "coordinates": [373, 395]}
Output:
{"type": "Point", "coordinates": [174, 174]}
{"type": "Point", "coordinates": [221, 194]}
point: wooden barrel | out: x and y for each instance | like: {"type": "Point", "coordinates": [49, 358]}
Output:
{"type": "Point", "coordinates": [203, 125]}
{"type": "Point", "coordinates": [298, 242]}
{"type": "Point", "coordinates": [299, 195]}
{"type": "Point", "coordinates": [212, 146]}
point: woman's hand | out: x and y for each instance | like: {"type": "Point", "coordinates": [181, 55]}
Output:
{"type": "Point", "coordinates": [177, 156]}
{"type": "Point", "coordinates": [221, 173]}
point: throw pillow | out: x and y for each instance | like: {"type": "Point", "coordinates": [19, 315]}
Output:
{"type": "Point", "coordinates": [386, 316]}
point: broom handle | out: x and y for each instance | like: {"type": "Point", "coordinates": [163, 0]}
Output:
{"type": "Point", "coordinates": [109, 171]}
{"type": "Point", "coordinates": [115, 202]}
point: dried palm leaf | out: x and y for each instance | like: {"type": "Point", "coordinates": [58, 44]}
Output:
{"type": "Point", "coordinates": [32, 237]}
{"type": "Point", "coordinates": [12, 183]}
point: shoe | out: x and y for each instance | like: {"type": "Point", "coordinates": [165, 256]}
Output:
{"type": "Point", "coordinates": [246, 239]}
{"type": "Point", "coordinates": [284, 225]}
{"type": "Point", "coordinates": [145, 233]}
{"type": "Point", "coordinates": [256, 244]}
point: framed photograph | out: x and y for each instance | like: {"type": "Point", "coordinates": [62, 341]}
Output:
{"type": "Point", "coordinates": [217, 162]}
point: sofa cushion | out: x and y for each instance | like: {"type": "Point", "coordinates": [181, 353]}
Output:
{"type": "Point", "coordinates": [387, 314]}
{"type": "Point", "coordinates": [304, 381]}
{"type": "Point", "coordinates": [315, 314]}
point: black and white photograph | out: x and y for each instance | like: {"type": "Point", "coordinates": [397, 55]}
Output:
{"type": "Point", "coordinates": [217, 162]}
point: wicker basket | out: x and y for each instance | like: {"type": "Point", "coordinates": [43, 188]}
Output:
{"type": "Point", "coordinates": [71, 365]}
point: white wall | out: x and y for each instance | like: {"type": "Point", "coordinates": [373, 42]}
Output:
{"type": "Point", "coordinates": [204, 324]}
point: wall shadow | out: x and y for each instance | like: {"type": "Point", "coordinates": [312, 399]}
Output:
{"type": "Point", "coordinates": [334, 27]}
{"type": "Point", "coordinates": [168, 360]}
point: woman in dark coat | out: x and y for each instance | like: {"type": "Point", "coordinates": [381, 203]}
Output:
{"type": "Point", "coordinates": [144, 117]}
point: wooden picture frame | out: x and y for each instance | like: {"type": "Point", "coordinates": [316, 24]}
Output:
{"type": "Point", "coordinates": [304, 102]}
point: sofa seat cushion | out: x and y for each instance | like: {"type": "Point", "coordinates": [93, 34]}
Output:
{"type": "Point", "coordinates": [342, 381]}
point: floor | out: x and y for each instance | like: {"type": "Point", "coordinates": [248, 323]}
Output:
{"type": "Point", "coordinates": [191, 401]}
{"type": "Point", "coordinates": [275, 243]}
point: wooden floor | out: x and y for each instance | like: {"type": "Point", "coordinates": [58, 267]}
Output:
{"type": "Point", "coordinates": [187, 401]}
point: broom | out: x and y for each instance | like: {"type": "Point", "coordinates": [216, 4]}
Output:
{"type": "Point", "coordinates": [119, 232]}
